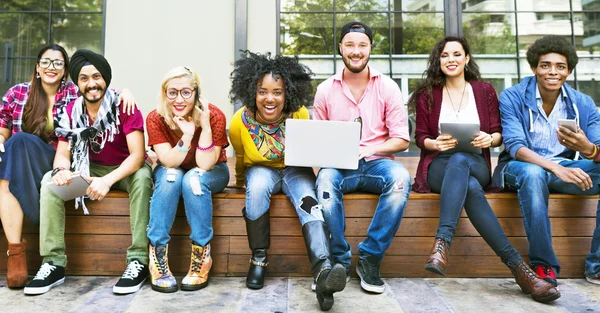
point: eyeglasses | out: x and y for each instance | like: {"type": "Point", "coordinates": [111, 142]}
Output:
{"type": "Point", "coordinates": [185, 93]}
{"type": "Point", "coordinates": [45, 63]}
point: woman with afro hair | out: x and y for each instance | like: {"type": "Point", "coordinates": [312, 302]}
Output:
{"type": "Point", "coordinates": [272, 90]}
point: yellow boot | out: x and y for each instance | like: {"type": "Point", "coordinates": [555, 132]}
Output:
{"type": "Point", "coordinates": [200, 264]}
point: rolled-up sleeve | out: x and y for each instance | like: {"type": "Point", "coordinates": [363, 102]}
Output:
{"type": "Point", "coordinates": [396, 114]}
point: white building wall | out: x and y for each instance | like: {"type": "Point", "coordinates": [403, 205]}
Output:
{"type": "Point", "coordinates": [146, 38]}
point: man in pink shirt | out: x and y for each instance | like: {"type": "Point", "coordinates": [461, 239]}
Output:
{"type": "Point", "coordinates": [361, 93]}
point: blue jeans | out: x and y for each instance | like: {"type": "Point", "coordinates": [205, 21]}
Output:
{"type": "Point", "coordinates": [297, 183]}
{"type": "Point", "coordinates": [382, 176]}
{"type": "Point", "coordinates": [197, 187]}
{"type": "Point", "coordinates": [459, 179]}
{"type": "Point", "coordinates": [533, 185]}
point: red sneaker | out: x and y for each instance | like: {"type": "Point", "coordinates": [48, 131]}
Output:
{"type": "Point", "coordinates": [547, 274]}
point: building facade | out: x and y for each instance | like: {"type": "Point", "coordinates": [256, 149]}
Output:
{"type": "Point", "coordinates": [144, 39]}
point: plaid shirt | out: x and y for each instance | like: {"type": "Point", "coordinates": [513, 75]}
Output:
{"type": "Point", "coordinates": [13, 103]}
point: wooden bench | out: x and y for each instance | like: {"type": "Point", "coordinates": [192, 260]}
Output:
{"type": "Point", "coordinates": [96, 244]}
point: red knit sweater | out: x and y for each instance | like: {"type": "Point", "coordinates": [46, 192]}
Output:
{"type": "Point", "coordinates": [486, 101]}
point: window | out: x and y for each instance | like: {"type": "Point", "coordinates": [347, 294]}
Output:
{"type": "Point", "coordinates": [26, 26]}
{"type": "Point", "coordinates": [499, 33]}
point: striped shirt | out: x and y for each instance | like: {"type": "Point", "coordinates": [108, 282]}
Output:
{"type": "Point", "coordinates": [544, 140]}
{"type": "Point", "coordinates": [13, 104]}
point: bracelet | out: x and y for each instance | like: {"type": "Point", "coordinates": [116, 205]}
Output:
{"type": "Point", "coordinates": [212, 145]}
{"type": "Point", "coordinates": [593, 155]}
{"type": "Point", "coordinates": [180, 147]}
{"type": "Point", "coordinates": [56, 170]}
{"type": "Point", "coordinates": [492, 143]}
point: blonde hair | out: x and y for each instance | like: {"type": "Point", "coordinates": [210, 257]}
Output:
{"type": "Point", "coordinates": [163, 109]}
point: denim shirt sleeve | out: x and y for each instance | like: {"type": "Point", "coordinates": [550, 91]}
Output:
{"type": "Point", "coordinates": [513, 121]}
{"type": "Point", "coordinates": [592, 130]}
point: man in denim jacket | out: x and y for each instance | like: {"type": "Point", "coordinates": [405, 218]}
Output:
{"type": "Point", "coordinates": [542, 156]}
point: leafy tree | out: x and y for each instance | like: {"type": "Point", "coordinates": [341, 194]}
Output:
{"type": "Point", "coordinates": [484, 39]}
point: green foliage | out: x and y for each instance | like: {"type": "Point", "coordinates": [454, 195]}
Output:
{"type": "Point", "coordinates": [420, 33]}
{"type": "Point", "coordinates": [486, 37]}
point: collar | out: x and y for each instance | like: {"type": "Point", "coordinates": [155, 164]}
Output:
{"type": "Point", "coordinates": [538, 96]}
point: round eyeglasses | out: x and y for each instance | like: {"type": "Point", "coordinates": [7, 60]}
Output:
{"type": "Point", "coordinates": [45, 63]}
{"type": "Point", "coordinates": [185, 93]}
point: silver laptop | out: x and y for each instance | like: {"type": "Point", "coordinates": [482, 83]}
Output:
{"type": "Point", "coordinates": [312, 143]}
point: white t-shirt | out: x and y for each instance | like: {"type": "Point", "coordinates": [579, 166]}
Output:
{"type": "Point", "coordinates": [467, 114]}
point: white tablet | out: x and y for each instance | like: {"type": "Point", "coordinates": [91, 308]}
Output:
{"type": "Point", "coordinates": [464, 133]}
{"type": "Point", "coordinates": [74, 190]}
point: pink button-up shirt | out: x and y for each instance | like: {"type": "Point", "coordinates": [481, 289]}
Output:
{"type": "Point", "coordinates": [381, 108]}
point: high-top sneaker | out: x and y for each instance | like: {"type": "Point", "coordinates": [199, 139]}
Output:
{"type": "Point", "coordinates": [133, 278]}
{"type": "Point", "coordinates": [546, 273]}
{"type": "Point", "coordinates": [200, 264]}
{"type": "Point", "coordinates": [161, 278]}
{"type": "Point", "coordinates": [48, 276]}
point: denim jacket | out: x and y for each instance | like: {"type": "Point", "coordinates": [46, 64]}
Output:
{"type": "Point", "coordinates": [518, 110]}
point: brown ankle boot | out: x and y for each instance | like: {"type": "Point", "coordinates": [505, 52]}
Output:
{"type": "Point", "coordinates": [439, 257]}
{"type": "Point", "coordinates": [16, 275]}
{"type": "Point", "coordinates": [530, 283]}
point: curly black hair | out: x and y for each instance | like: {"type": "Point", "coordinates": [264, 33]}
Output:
{"type": "Point", "coordinates": [249, 71]}
{"type": "Point", "coordinates": [434, 77]}
{"type": "Point", "coordinates": [552, 44]}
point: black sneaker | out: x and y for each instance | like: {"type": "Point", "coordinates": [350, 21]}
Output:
{"type": "Point", "coordinates": [132, 280]}
{"type": "Point", "coordinates": [48, 276]}
{"type": "Point", "coordinates": [368, 271]}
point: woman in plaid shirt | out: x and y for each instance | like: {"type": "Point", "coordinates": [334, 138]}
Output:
{"type": "Point", "coordinates": [27, 148]}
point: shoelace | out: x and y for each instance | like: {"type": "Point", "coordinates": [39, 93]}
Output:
{"type": "Point", "coordinates": [528, 271]}
{"type": "Point", "coordinates": [44, 271]}
{"type": "Point", "coordinates": [197, 264]}
{"type": "Point", "coordinates": [161, 261]}
{"type": "Point", "coordinates": [548, 271]}
{"type": "Point", "coordinates": [440, 246]}
{"type": "Point", "coordinates": [133, 270]}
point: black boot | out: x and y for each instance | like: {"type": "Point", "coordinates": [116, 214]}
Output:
{"type": "Point", "coordinates": [329, 278]}
{"type": "Point", "coordinates": [259, 232]}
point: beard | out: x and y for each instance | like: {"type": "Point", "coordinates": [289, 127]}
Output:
{"type": "Point", "coordinates": [353, 68]}
{"type": "Point", "coordinates": [96, 98]}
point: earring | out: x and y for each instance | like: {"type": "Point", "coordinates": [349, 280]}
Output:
{"type": "Point", "coordinates": [37, 75]}
{"type": "Point", "coordinates": [466, 67]}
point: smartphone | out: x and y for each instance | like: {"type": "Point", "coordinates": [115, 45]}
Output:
{"type": "Point", "coordinates": [570, 124]}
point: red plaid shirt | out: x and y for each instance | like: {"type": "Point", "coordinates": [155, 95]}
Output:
{"type": "Point", "coordinates": [13, 102]}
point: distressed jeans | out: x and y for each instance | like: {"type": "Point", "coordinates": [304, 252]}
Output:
{"type": "Point", "coordinates": [534, 185]}
{"type": "Point", "coordinates": [382, 176]}
{"type": "Point", "coordinates": [52, 214]}
{"type": "Point", "coordinates": [297, 183]}
{"type": "Point", "coordinates": [197, 187]}
{"type": "Point", "coordinates": [459, 178]}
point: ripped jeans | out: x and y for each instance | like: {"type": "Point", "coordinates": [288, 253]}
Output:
{"type": "Point", "coordinates": [297, 183]}
{"type": "Point", "coordinates": [197, 187]}
{"type": "Point", "coordinates": [381, 176]}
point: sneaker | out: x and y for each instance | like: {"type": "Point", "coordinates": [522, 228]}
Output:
{"type": "Point", "coordinates": [593, 280]}
{"type": "Point", "coordinates": [313, 286]}
{"type": "Point", "coordinates": [132, 280]}
{"type": "Point", "coordinates": [368, 271]}
{"type": "Point", "coordinates": [48, 276]}
{"type": "Point", "coordinates": [547, 274]}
